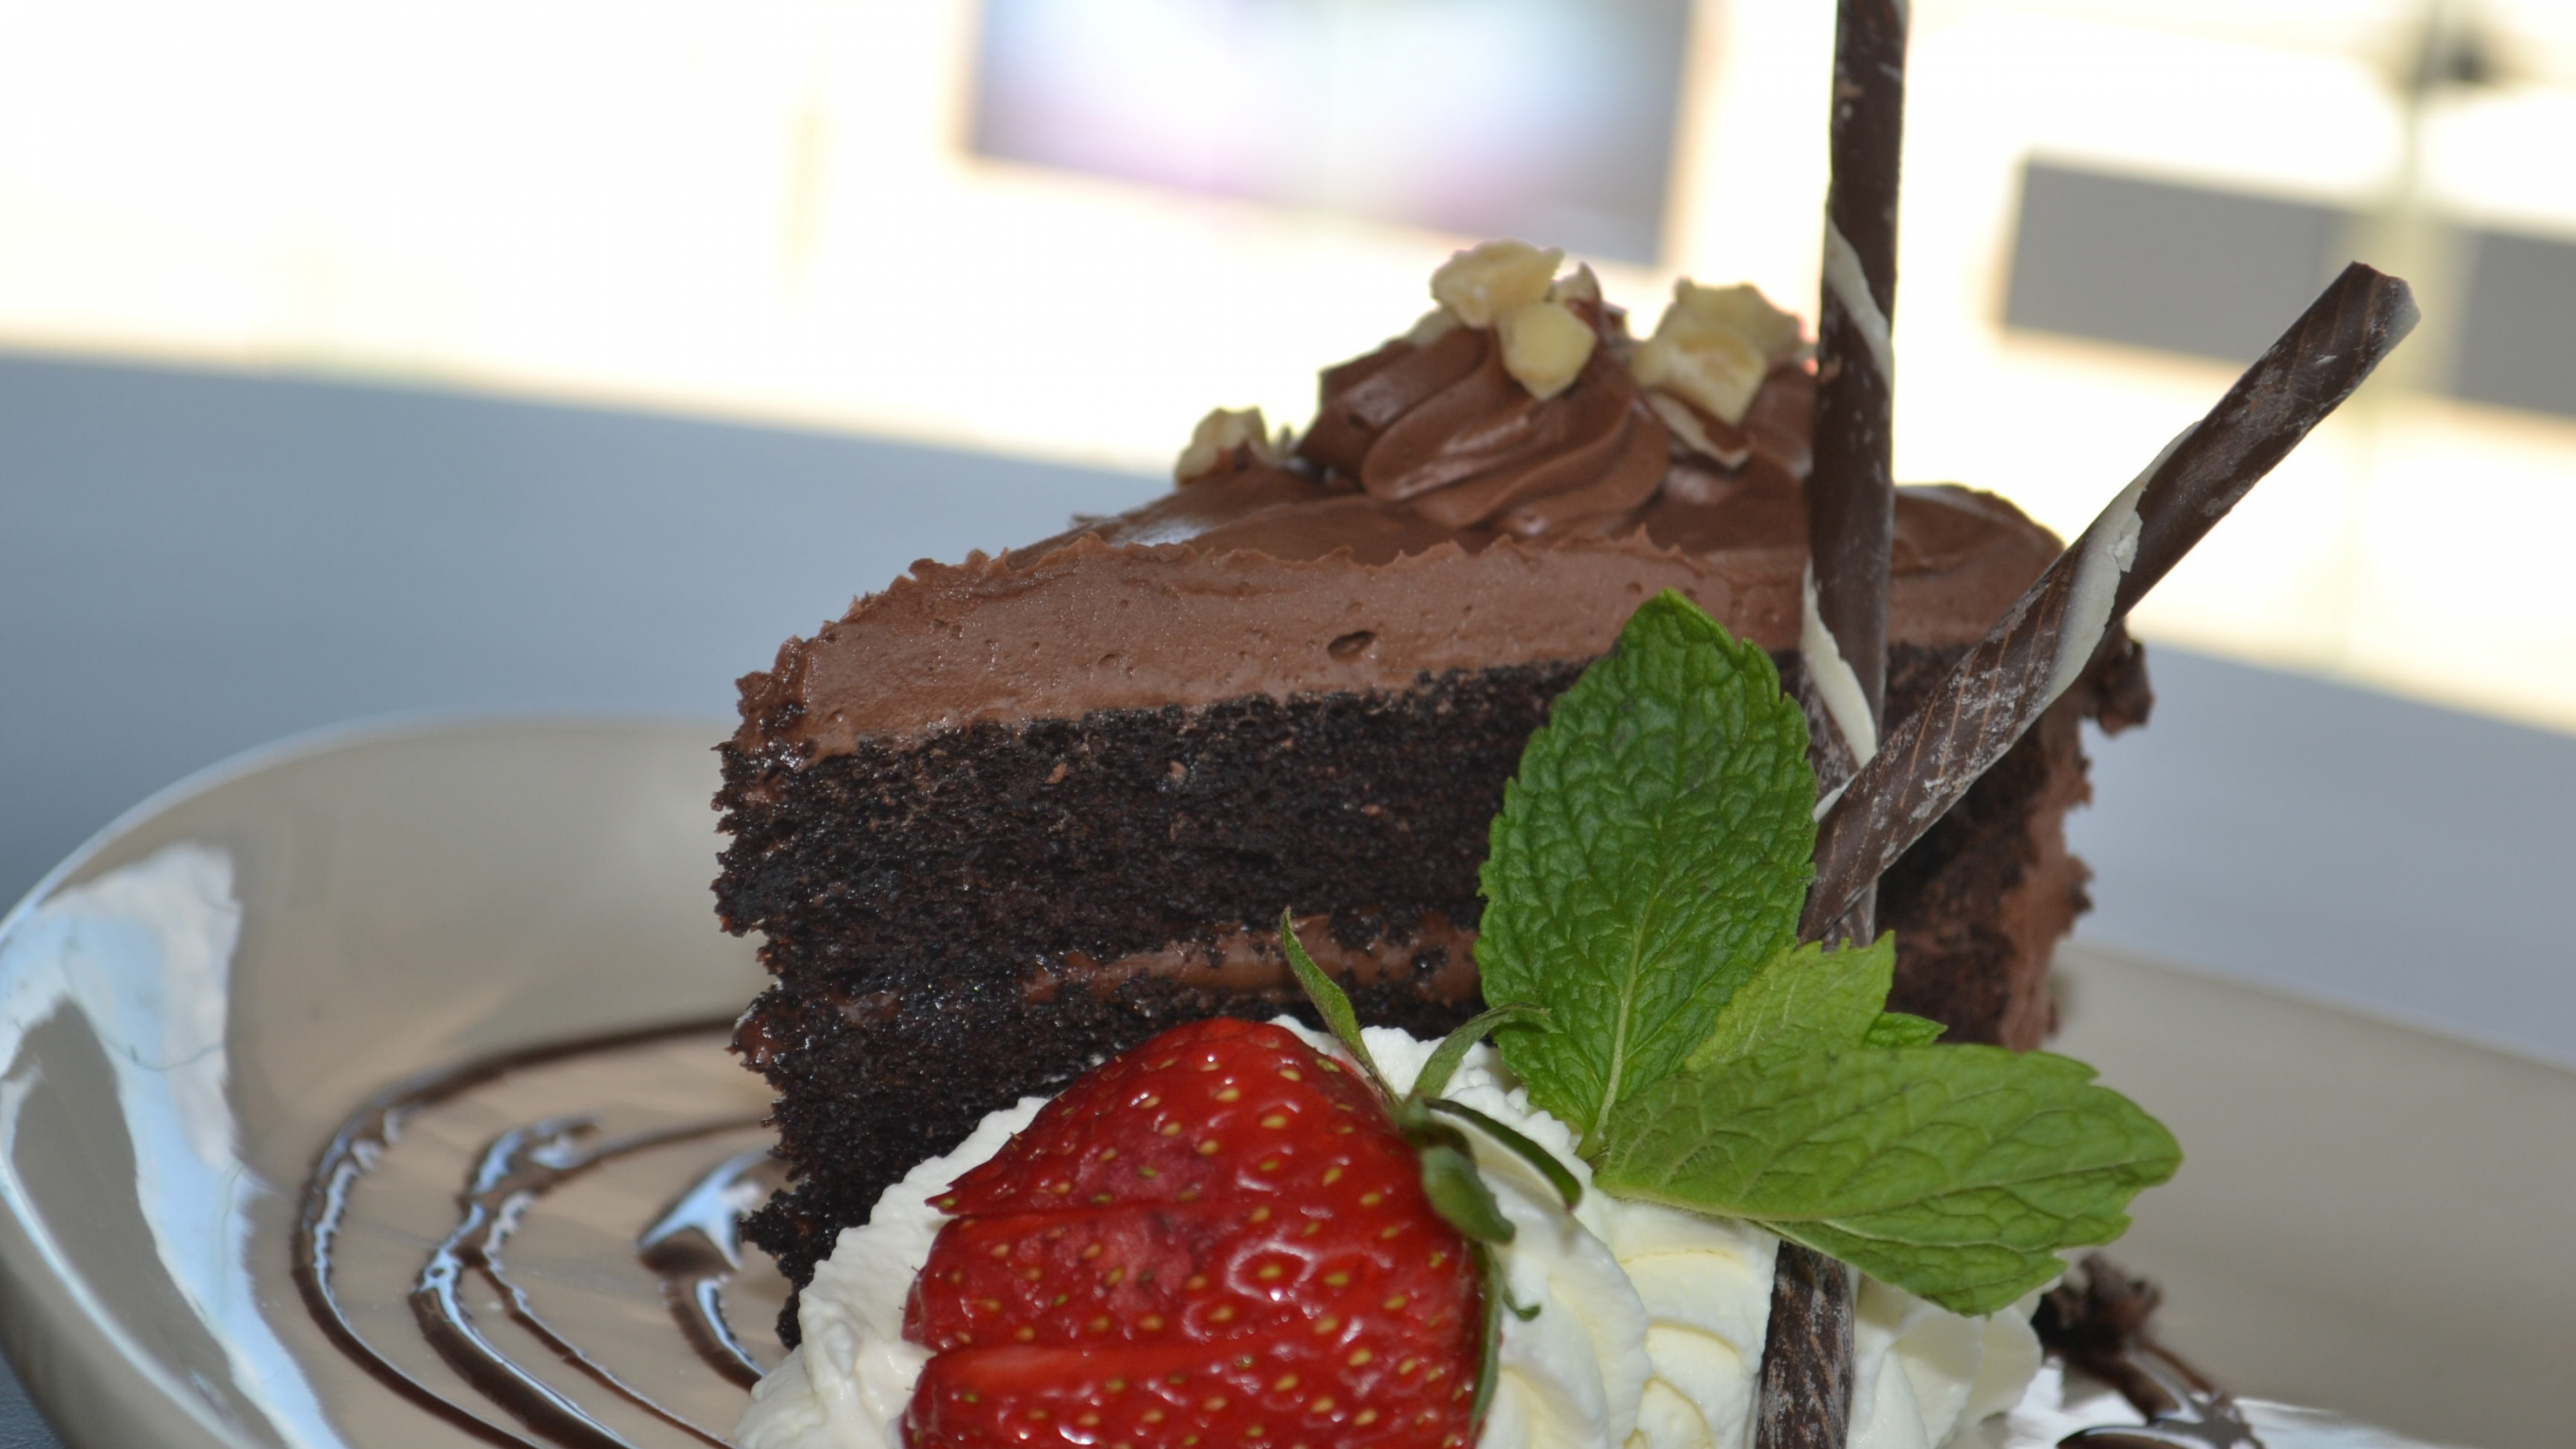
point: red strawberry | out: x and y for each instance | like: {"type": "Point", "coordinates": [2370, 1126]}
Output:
{"type": "Point", "coordinates": [1218, 1240]}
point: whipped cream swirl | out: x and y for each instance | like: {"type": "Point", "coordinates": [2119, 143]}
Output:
{"type": "Point", "coordinates": [1648, 1335]}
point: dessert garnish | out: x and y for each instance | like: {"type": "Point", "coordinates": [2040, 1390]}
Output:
{"type": "Point", "coordinates": [1222, 1236]}
{"type": "Point", "coordinates": [1507, 407]}
{"type": "Point", "coordinates": [2043, 644]}
{"type": "Point", "coordinates": [2096, 1321]}
{"type": "Point", "coordinates": [1648, 885]}
{"type": "Point", "coordinates": [1851, 493]}
{"type": "Point", "coordinates": [1644, 887]}
{"type": "Point", "coordinates": [1806, 1385]}
{"type": "Point", "coordinates": [1884, 801]}
{"type": "Point", "coordinates": [1229, 440]}
{"type": "Point", "coordinates": [1711, 350]}
{"type": "Point", "coordinates": [1225, 1236]}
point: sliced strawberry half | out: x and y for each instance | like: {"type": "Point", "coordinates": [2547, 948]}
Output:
{"type": "Point", "coordinates": [1220, 1237]}
{"type": "Point", "coordinates": [1193, 1396]}
{"type": "Point", "coordinates": [1213, 1111]}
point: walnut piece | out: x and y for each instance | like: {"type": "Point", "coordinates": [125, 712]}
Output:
{"type": "Point", "coordinates": [1545, 346]}
{"type": "Point", "coordinates": [1714, 345]}
{"type": "Point", "coordinates": [1578, 285]}
{"type": "Point", "coordinates": [1214, 442]}
{"type": "Point", "coordinates": [1484, 282]}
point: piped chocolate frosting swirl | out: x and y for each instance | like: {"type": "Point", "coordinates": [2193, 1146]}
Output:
{"type": "Point", "coordinates": [1444, 426]}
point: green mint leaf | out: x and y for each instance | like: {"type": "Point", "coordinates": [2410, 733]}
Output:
{"type": "Point", "coordinates": [1896, 1028]}
{"type": "Point", "coordinates": [1973, 1279]}
{"type": "Point", "coordinates": [1953, 1172]}
{"type": "Point", "coordinates": [1811, 998]}
{"type": "Point", "coordinates": [1652, 853]}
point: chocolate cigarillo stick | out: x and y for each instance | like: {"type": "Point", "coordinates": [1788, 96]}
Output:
{"type": "Point", "coordinates": [2046, 639]}
{"type": "Point", "coordinates": [1805, 1383]}
{"type": "Point", "coordinates": [1851, 492]}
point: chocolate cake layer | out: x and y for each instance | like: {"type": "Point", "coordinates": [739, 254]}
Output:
{"type": "Point", "coordinates": [963, 920]}
{"type": "Point", "coordinates": [1006, 851]}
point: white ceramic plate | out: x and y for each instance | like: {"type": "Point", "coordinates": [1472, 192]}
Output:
{"type": "Point", "coordinates": [195, 1005]}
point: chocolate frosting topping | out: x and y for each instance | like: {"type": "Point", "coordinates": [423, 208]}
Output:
{"type": "Point", "coordinates": [1266, 581]}
{"type": "Point", "coordinates": [1775, 431]}
{"type": "Point", "coordinates": [1439, 515]}
{"type": "Point", "coordinates": [1444, 426]}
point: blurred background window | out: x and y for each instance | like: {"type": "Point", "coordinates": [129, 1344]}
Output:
{"type": "Point", "coordinates": [2518, 335]}
{"type": "Point", "coordinates": [2189, 269]}
{"type": "Point", "coordinates": [1533, 118]}
{"type": "Point", "coordinates": [1063, 229]}
{"type": "Point", "coordinates": [2209, 272]}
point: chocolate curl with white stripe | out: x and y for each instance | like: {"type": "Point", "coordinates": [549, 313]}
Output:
{"type": "Point", "coordinates": [1851, 491]}
{"type": "Point", "coordinates": [1805, 1385]}
{"type": "Point", "coordinates": [2044, 643]}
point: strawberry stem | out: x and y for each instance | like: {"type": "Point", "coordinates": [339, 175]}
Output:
{"type": "Point", "coordinates": [1538, 1157]}
{"type": "Point", "coordinates": [1330, 1003]}
{"type": "Point", "coordinates": [1458, 1193]}
{"type": "Point", "coordinates": [1454, 1047]}
{"type": "Point", "coordinates": [1498, 1297]}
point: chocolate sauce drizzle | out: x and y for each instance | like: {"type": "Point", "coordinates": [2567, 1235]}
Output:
{"type": "Point", "coordinates": [695, 1244]}
{"type": "Point", "coordinates": [2096, 1322]}
{"type": "Point", "coordinates": [2200, 1418]}
{"type": "Point", "coordinates": [691, 1245]}
{"type": "Point", "coordinates": [517, 1168]}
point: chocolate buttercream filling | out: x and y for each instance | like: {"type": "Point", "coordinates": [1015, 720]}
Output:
{"type": "Point", "coordinates": [1436, 956]}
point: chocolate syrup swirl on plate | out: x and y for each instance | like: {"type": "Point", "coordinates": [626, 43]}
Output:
{"type": "Point", "coordinates": [696, 1246]}
{"type": "Point", "coordinates": [539, 1250]}
{"type": "Point", "coordinates": [638, 1171]}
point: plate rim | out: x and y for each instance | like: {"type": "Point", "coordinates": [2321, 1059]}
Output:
{"type": "Point", "coordinates": [329, 739]}
{"type": "Point", "coordinates": [98, 1385]}
{"type": "Point", "coordinates": [81, 1370]}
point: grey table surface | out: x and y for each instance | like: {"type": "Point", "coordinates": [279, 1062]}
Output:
{"type": "Point", "coordinates": [193, 564]}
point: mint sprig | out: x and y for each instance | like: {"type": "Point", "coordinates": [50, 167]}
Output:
{"type": "Point", "coordinates": [1954, 1172]}
{"type": "Point", "coordinates": [1896, 1028]}
{"type": "Point", "coordinates": [1808, 1000]}
{"type": "Point", "coordinates": [1643, 888]}
{"type": "Point", "coordinates": [1652, 853]}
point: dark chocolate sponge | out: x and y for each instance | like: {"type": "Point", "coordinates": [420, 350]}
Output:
{"type": "Point", "coordinates": [944, 915]}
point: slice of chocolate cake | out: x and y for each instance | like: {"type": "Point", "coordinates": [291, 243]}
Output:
{"type": "Point", "coordinates": [1008, 817]}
